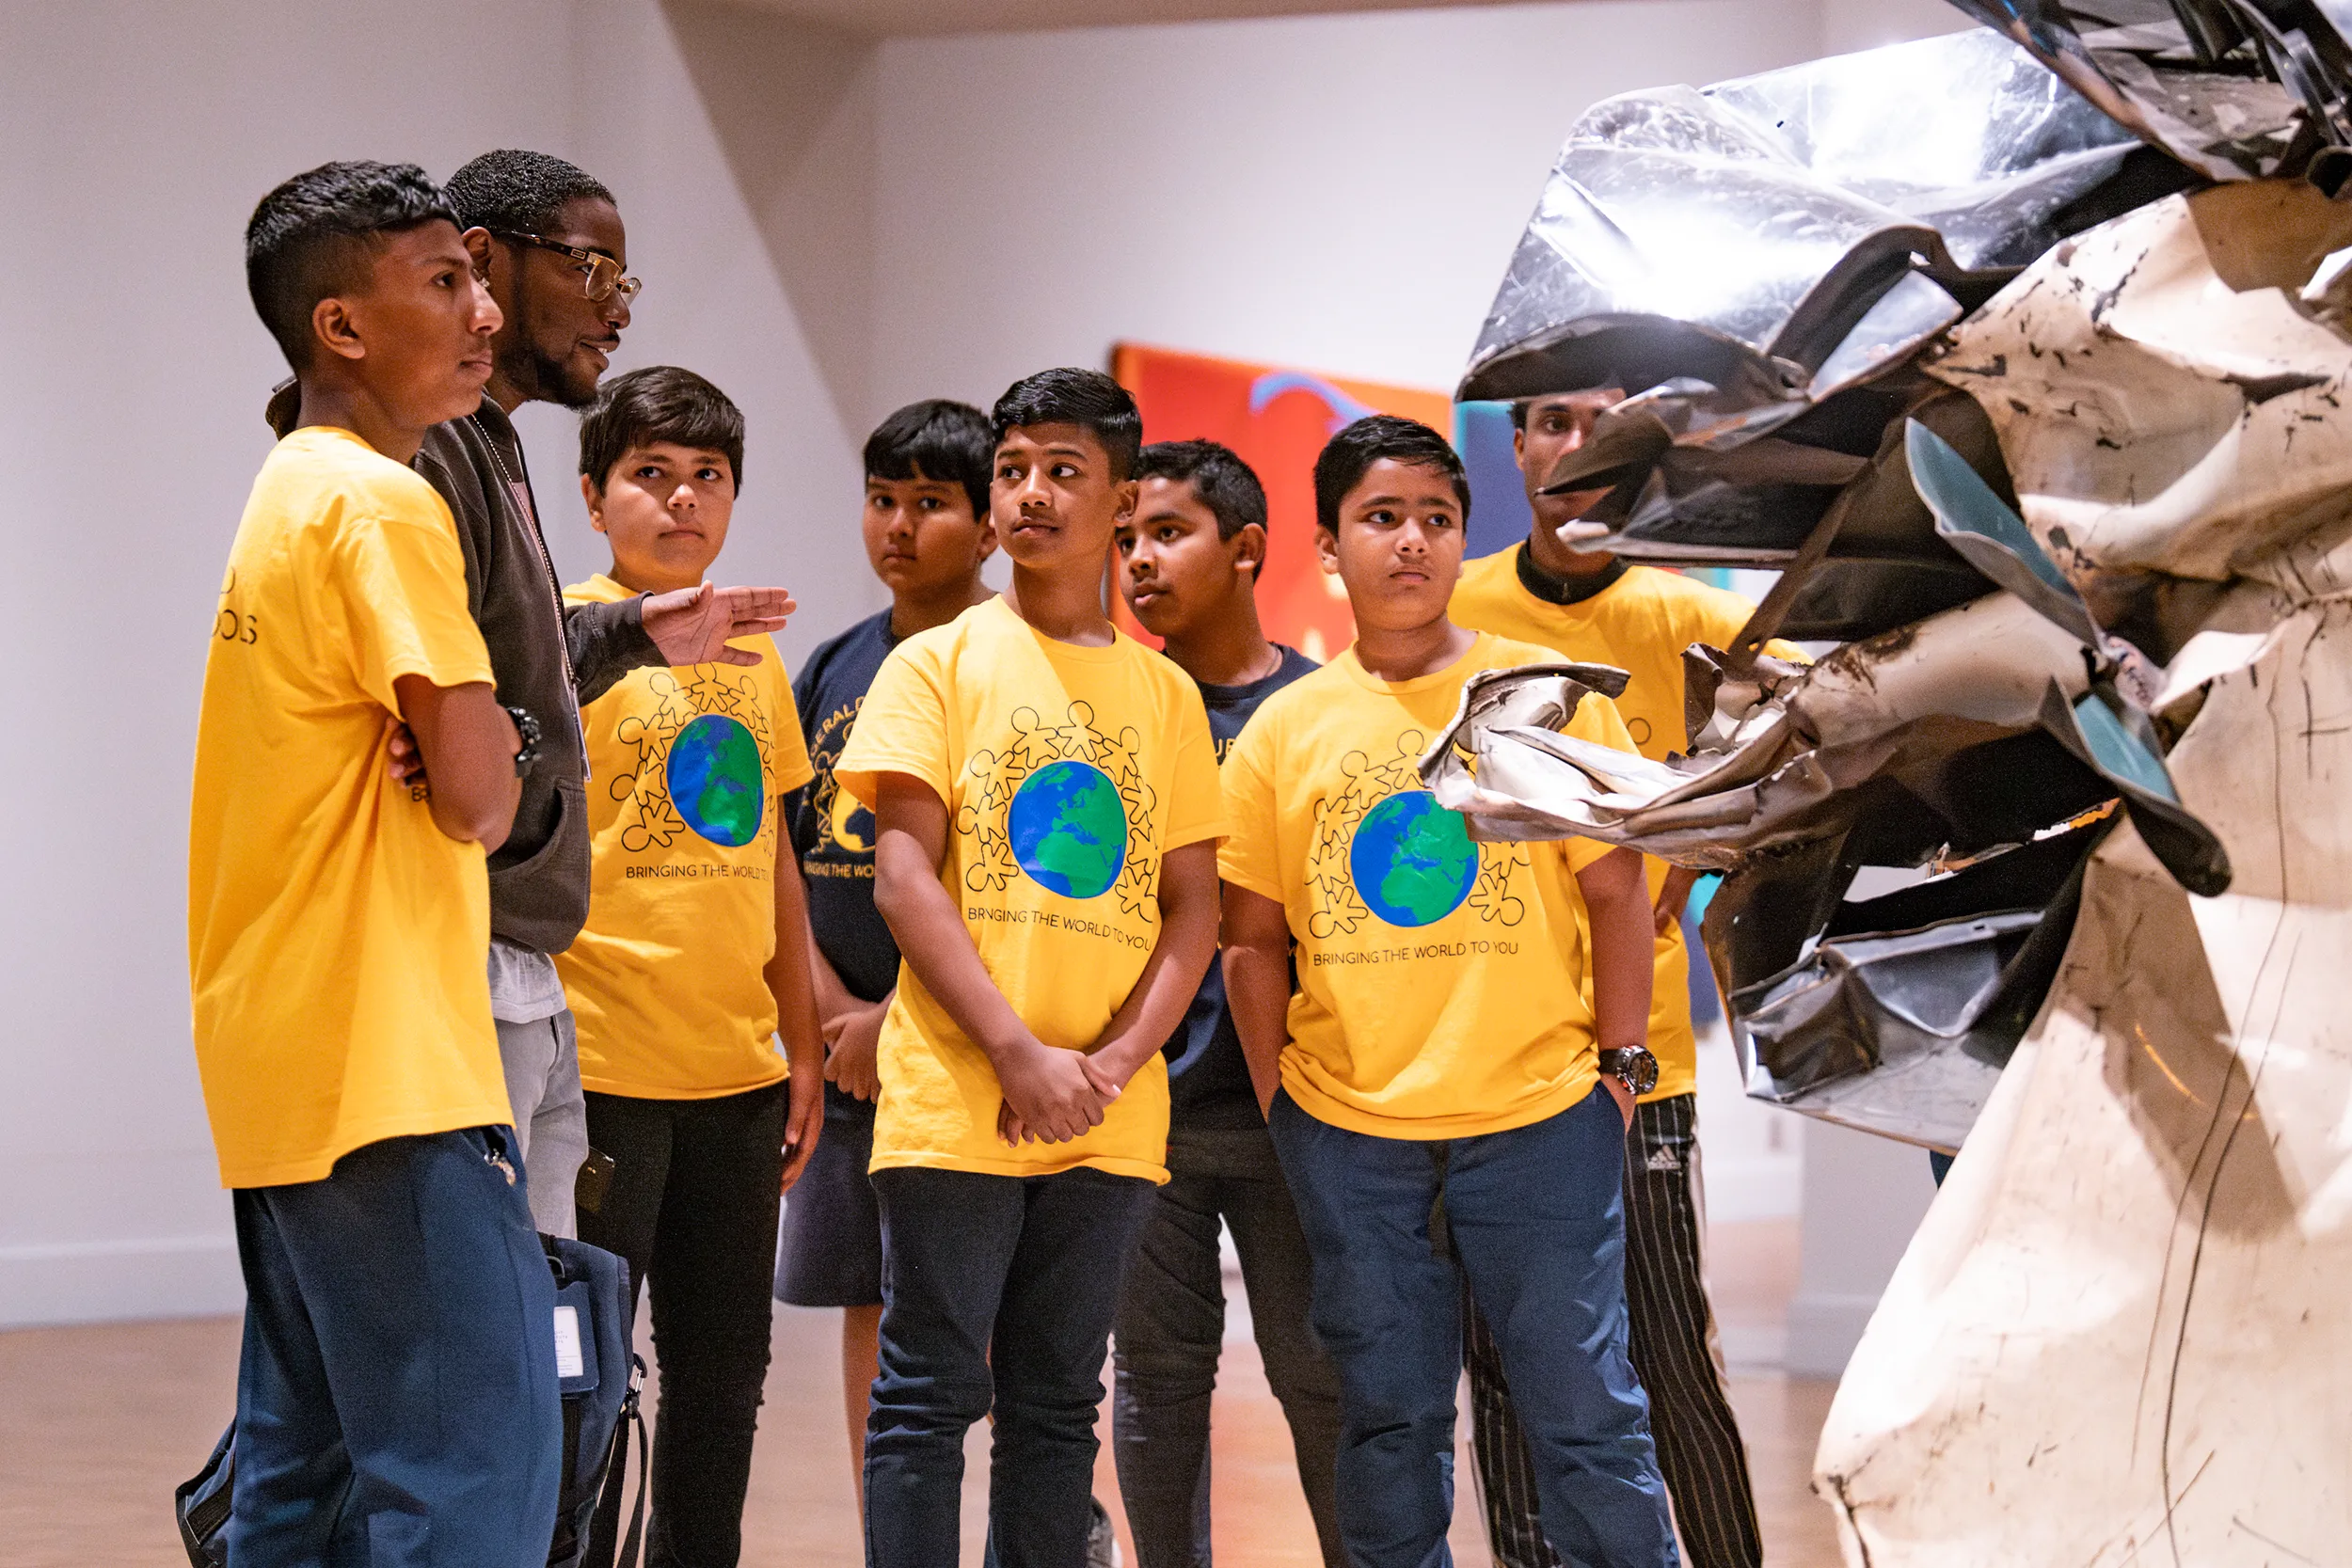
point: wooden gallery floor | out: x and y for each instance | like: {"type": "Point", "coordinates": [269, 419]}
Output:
{"type": "Point", "coordinates": [99, 1424]}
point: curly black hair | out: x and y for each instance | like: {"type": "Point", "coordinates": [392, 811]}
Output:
{"type": "Point", "coordinates": [519, 192]}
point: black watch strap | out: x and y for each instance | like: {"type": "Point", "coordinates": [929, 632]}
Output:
{"type": "Point", "coordinates": [527, 729]}
{"type": "Point", "coordinates": [1635, 1067]}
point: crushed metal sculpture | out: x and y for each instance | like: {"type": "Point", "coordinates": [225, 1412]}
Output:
{"type": "Point", "coordinates": [2024, 356]}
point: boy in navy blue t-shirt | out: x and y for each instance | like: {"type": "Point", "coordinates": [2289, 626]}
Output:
{"type": "Point", "coordinates": [1187, 567]}
{"type": "Point", "coordinates": [927, 532]}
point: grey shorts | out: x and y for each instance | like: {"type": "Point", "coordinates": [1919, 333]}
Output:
{"type": "Point", "coordinates": [829, 1250]}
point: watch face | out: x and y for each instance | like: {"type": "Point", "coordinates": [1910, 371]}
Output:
{"type": "Point", "coordinates": [1636, 1068]}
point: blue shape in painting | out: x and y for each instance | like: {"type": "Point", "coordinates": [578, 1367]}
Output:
{"type": "Point", "coordinates": [1412, 859]}
{"type": "Point", "coordinates": [714, 780]}
{"type": "Point", "coordinates": [1069, 828]}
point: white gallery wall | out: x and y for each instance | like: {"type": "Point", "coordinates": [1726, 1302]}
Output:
{"type": "Point", "coordinates": [134, 139]}
{"type": "Point", "coordinates": [1338, 193]}
{"type": "Point", "coordinates": [827, 226]}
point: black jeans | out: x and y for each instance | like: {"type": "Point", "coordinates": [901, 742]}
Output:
{"type": "Point", "coordinates": [997, 1293]}
{"type": "Point", "coordinates": [692, 1208]}
{"type": "Point", "coordinates": [1171, 1326]}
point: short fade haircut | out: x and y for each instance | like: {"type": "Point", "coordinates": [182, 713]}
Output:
{"type": "Point", "coordinates": [1519, 406]}
{"type": "Point", "coordinates": [1226, 485]}
{"type": "Point", "coordinates": [1347, 456]}
{"type": "Point", "coordinates": [517, 192]}
{"type": "Point", "coordinates": [1088, 399]}
{"type": "Point", "coordinates": [940, 440]}
{"type": "Point", "coordinates": [316, 235]}
{"type": "Point", "coordinates": [660, 402]}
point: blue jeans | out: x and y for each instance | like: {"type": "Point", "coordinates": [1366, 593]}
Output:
{"type": "Point", "coordinates": [396, 1398]}
{"type": "Point", "coordinates": [1536, 1218]}
{"type": "Point", "coordinates": [997, 1294]}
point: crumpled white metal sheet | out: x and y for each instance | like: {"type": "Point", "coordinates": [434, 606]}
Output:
{"type": "Point", "coordinates": [2165, 397]}
{"type": "Point", "coordinates": [2121, 1337]}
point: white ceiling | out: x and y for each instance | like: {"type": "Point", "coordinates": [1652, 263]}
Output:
{"type": "Point", "coordinates": [904, 18]}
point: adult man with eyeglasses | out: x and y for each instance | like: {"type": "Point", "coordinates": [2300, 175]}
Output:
{"type": "Point", "coordinates": [547, 241]}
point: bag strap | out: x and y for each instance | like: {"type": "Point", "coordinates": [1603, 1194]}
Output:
{"type": "Point", "coordinates": [616, 1476]}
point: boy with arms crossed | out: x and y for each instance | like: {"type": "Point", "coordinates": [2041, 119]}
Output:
{"type": "Point", "coordinates": [1188, 565]}
{"type": "Point", "coordinates": [1596, 607]}
{"type": "Point", "coordinates": [1044, 789]}
{"type": "Point", "coordinates": [693, 958]}
{"type": "Point", "coordinates": [925, 524]}
{"type": "Point", "coordinates": [1440, 1046]}
{"type": "Point", "coordinates": [396, 1398]}
{"type": "Point", "coordinates": [549, 244]}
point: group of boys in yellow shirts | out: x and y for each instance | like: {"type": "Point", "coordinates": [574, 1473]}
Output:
{"type": "Point", "coordinates": [1445, 1040]}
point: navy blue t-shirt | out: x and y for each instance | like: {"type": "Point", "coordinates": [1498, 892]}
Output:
{"type": "Point", "coordinates": [834, 834]}
{"type": "Point", "coordinates": [1208, 1078]}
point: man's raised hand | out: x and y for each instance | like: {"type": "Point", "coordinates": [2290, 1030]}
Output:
{"type": "Point", "coordinates": [692, 625]}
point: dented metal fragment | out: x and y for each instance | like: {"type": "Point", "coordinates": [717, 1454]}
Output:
{"type": "Point", "coordinates": [1761, 235]}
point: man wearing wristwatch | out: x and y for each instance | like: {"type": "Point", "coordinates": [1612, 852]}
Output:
{"type": "Point", "coordinates": [547, 241]}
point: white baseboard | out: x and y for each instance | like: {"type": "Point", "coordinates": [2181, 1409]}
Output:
{"type": "Point", "coordinates": [1823, 1332]}
{"type": "Point", "coordinates": [85, 1282]}
{"type": "Point", "coordinates": [1754, 1350]}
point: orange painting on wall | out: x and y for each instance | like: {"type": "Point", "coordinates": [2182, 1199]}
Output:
{"type": "Point", "coordinates": [1276, 421]}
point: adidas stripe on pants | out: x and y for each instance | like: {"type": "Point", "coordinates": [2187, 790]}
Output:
{"type": "Point", "coordinates": [1676, 1354]}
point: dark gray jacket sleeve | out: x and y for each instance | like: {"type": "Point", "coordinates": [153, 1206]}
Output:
{"type": "Point", "coordinates": [607, 642]}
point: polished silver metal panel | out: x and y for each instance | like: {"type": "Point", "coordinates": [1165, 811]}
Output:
{"type": "Point", "coordinates": [1744, 233]}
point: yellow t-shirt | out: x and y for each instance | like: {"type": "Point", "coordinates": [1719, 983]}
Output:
{"type": "Point", "coordinates": [688, 769]}
{"type": "Point", "coordinates": [1640, 624]}
{"type": "Point", "coordinates": [1440, 982]}
{"type": "Point", "coordinates": [1068, 772]}
{"type": "Point", "coordinates": [336, 937]}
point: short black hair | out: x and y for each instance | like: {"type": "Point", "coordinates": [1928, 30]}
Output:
{"type": "Point", "coordinates": [1088, 399]}
{"type": "Point", "coordinates": [315, 236]}
{"type": "Point", "coordinates": [660, 402]}
{"type": "Point", "coordinates": [517, 192]}
{"type": "Point", "coordinates": [937, 440]}
{"type": "Point", "coordinates": [1519, 406]}
{"type": "Point", "coordinates": [1226, 485]}
{"type": "Point", "coordinates": [1347, 457]}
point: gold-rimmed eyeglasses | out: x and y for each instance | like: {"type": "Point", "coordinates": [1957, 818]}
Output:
{"type": "Point", "coordinates": [603, 274]}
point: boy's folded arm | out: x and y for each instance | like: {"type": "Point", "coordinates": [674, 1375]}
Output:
{"type": "Point", "coordinates": [1256, 938]}
{"type": "Point", "coordinates": [1047, 1088]}
{"type": "Point", "coordinates": [1171, 976]}
{"type": "Point", "coordinates": [468, 744]}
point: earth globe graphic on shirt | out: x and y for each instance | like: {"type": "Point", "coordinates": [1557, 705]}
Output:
{"type": "Point", "coordinates": [1412, 859]}
{"type": "Point", "coordinates": [714, 780]}
{"type": "Point", "coordinates": [1069, 828]}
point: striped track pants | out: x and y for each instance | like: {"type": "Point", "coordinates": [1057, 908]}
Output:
{"type": "Point", "coordinates": [1676, 1354]}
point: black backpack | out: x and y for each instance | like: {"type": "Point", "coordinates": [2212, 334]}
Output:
{"type": "Point", "coordinates": [600, 1377]}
